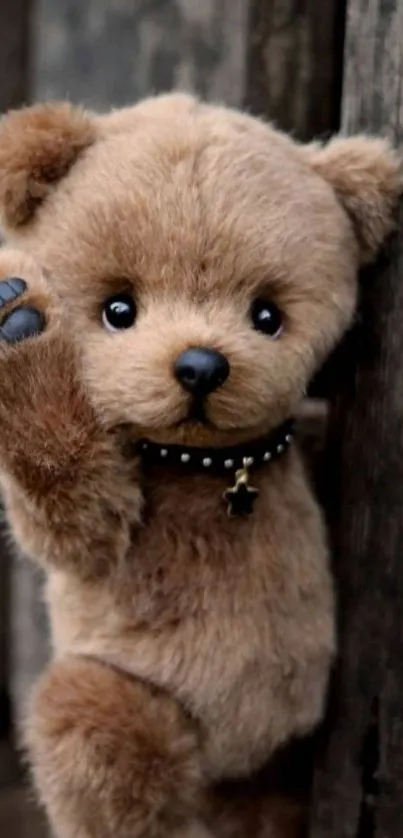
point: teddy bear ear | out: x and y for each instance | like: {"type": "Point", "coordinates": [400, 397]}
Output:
{"type": "Point", "coordinates": [367, 176]}
{"type": "Point", "coordinates": [38, 145]}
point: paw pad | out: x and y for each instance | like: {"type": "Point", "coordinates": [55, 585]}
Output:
{"type": "Point", "coordinates": [24, 322]}
{"type": "Point", "coordinates": [11, 288]}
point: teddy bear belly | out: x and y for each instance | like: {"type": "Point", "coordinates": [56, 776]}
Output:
{"type": "Point", "coordinates": [248, 695]}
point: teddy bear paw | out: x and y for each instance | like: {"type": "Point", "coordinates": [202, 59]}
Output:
{"type": "Point", "coordinates": [23, 321]}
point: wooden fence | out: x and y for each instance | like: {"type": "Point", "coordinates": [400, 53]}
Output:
{"type": "Point", "coordinates": [311, 66]}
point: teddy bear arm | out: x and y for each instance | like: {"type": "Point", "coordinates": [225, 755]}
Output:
{"type": "Point", "coordinates": [113, 756]}
{"type": "Point", "coordinates": [71, 497]}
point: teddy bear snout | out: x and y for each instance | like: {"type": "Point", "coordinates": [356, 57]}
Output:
{"type": "Point", "coordinates": [200, 370]}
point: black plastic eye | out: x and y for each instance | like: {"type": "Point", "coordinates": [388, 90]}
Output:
{"type": "Point", "coordinates": [119, 312]}
{"type": "Point", "coordinates": [267, 318]}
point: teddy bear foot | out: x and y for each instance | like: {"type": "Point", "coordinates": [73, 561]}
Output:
{"type": "Point", "coordinates": [113, 756]}
{"type": "Point", "coordinates": [22, 322]}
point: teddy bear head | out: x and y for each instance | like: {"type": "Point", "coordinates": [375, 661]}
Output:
{"type": "Point", "coordinates": [207, 262]}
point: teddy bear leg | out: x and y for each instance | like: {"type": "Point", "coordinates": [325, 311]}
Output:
{"type": "Point", "coordinates": [112, 756]}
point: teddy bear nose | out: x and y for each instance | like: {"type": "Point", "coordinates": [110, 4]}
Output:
{"type": "Point", "coordinates": [201, 370]}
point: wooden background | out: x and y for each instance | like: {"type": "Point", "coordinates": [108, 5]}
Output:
{"type": "Point", "coordinates": [310, 66]}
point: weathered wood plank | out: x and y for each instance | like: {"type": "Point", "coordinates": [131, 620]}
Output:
{"type": "Point", "coordinates": [30, 647]}
{"type": "Point", "coordinates": [14, 52]}
{"type": "Point", "coordinates": [358, 789]}
{"type": "Point", "coordinates": [105, 52]}
{"type": "Point", "coordinates": [294, 63]}
{"type": "Point", "coordinates": [19, 817]}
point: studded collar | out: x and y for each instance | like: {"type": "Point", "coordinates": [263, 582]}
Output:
{"type": "Point", "coordinates": [219, 461]}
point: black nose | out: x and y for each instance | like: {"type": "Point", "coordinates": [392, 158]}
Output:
{"type": "Point", "coordinates": [201, 370]}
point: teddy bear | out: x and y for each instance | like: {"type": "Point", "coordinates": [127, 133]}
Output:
{"type": "Point", "coordinates": [173, 275]}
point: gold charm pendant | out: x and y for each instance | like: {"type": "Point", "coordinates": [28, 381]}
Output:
{"type": "Point", "coordinates": [241, 496]}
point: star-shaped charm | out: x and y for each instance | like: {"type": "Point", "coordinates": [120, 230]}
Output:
{"type": "Point", "coordinates": [241, 497]}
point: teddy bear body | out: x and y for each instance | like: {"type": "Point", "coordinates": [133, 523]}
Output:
{"type": "Point", "coordinates": [178, 273]}
{"type": "Point", "coordinates": [207, 618]}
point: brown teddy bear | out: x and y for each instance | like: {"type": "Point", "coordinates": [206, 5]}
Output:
{"type": "Point", "coordinates": [174, 274]}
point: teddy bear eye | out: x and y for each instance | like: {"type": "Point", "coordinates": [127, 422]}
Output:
{"type": "Point", "coordinates": [267, 318]}
{"type": "Point", "coordinates": [119, 312]}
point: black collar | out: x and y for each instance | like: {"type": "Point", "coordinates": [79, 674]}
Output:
{"type": "Point", "coordinates": [220, 461]}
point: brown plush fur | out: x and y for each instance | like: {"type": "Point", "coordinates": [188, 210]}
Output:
{"type": "Point", "coordinates": [54, 136]}
{"type": "Point", "coordinates": [123, 751]}
{"type": "Point", "coordinates": [187, 646]}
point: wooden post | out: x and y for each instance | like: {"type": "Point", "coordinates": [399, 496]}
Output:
{"type": "Point", "coordinates": [294, 64]}
{"type": "Point", "coordinates": [358, 784]}
{"type": "Point", "coordinates": [14, 53]}
{"type": "Point", "coordinates": [104, 53]}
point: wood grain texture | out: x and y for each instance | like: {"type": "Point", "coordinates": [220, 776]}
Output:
{"type": "Point", "coordinates": [358, 788]}
{"type": "Point", "coordinates": [14, 52]}
{"type": "Point", "coordinates": [105, 52]}
{"type": "Point", "coordinates": [294, 63]}
{"type": "Point", "coordinates": [19, 818]}
{"type": "Point", "coordinates": [29, 632]}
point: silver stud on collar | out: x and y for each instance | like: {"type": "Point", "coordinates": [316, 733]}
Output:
{"type": "Point", "coordinates": [248, 462]}
{"type": "Point", "coordinates": [288, 438]}
{"type": "Point", "coordinates": [280, 449]}
{"type": "Point", "coordinates": [207, 462]}
{"type": "Point", "coordinates": [228, 463]}
{"type": "Point", "coordinates": [185, 458]}
{"type": "Point", "coordinates": [163, 452]}
{"type": "Point", "coordinates": [267, 456]}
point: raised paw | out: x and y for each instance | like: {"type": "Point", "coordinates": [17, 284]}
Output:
{"type": "Point", "coordinates": [23, 321]}
{"type": "Point", "coordinates": [27, 303]}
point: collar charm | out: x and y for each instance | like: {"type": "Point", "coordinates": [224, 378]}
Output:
{"type": "Point", "coordinates": [240, 459]}
{"type": "Point", "coordinates": [241, 496]}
